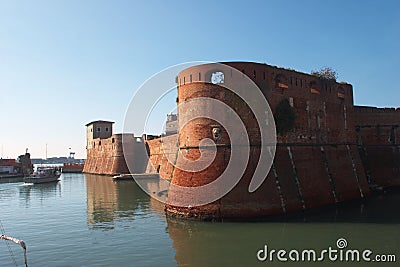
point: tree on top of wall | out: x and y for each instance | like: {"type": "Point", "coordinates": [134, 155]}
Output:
{"type": "Point", "coordinates": [327, 73]}
{"type": "Point", "coordinates": [284, 117]}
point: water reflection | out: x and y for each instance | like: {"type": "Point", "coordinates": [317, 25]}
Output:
{"type": "Point", "coordinates": [370, 224]}
{"type": "Point", "coordinates": [109, 202]}
{"type": "Point", "coordinates": [11, 180]}
{"type": "Point", "coordinates": [28, 191]}
{"type": "Point", "coordinates": [373, 224]}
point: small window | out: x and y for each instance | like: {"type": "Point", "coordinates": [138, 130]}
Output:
{"type": "Point", "coordinates": [314, 88]}
{"type": "Point", "coordinates": [199, 76]}
{"type": "Point", "coordinates": [191, 78]}
{"type": "Point", "coordinates": [98, 129]}
{"type": "Point", "coordinates": [91, 130]}
{"type": "Point", "coordinates": [184, 80]}
{"type": "Point", "coordinates": [106, 129]}
{"type": "Point", "coordinates": [341, 93]}
{"type": "Point", "coordinates": [113, 140]}
{"type": "Point", "coordinates": [99, 143]}
{"type": "Point", "coordinates": [254, 74]}
{"type": "Point", "coordinates": [281, 81]}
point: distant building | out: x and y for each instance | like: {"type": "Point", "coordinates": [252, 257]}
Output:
{"type": "Point", "coordinates": [9, 166]}
{"type": "Point", "coordinates": [171, 125]}
{"type": "Point", "coordinates": [13, 168]}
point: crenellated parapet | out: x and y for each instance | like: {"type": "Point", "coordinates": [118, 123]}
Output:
{"type": "Point", "coordinates": [323, 108]}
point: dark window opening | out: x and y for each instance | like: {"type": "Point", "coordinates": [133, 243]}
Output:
{"type": "Point", "coordinates": [392, 138]}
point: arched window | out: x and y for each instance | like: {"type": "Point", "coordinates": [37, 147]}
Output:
{"type": "Point", "coordinates": [281, 81]}
{"type": "Point", "coordinates": [315, 88]}
{"type": "Point", "coordinates": [341, 92]}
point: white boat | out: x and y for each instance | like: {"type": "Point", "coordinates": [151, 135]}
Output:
{"type": "Point", "coordinates": [44, 175]}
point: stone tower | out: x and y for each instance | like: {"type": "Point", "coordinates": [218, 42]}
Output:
{"type": "Point", "coordinates": [98, 129]}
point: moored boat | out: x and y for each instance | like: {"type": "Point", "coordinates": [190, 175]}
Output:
{"type": "Point", "coordinates": [44, 175]}
{"type": "Point", "coordinates": [70, 167]}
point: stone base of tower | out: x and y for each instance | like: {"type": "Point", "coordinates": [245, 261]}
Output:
{"type": "Point", "coordinates": [301, 178]}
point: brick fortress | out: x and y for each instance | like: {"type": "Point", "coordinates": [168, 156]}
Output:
{"type": "Point", "coordinates": [331, 152]}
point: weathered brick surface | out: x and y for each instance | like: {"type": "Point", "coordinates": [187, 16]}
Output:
{"type": "Point", "coordinates": [378, 134]}
{"type": "Point", "coordinates": [162, 156]}
{"type": "Point", "coordinates": [321, 161]}
{"type": "Point", "coordinates": [316, 163]}
{"type": "Point", "coordinates": [106, 157]}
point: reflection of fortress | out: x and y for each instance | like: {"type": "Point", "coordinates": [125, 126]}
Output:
{"type": "Point", "coordinates": [108, 201]}
{"type": "Point", "coordinates": [331, 152]}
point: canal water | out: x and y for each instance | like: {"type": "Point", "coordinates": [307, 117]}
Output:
{"type": "Point", "coordinates": [89, 220]}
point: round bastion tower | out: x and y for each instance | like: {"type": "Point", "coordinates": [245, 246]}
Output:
{"type": "Point", "coordinates": [315, 161]}
{"type": "Point", "coordinates": [212, 116]}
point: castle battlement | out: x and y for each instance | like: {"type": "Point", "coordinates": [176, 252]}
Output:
{"type": "Point", "coordinates": [286, 82]}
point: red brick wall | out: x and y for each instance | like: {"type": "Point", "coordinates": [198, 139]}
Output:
{"type": "Point", "coordinates": [380, 153]}
{"type": "Point", "coordinates": [375, 124]}
{"type": "Point", "coordinates": [163, 153]}
{"type": "Point", "coordinates": [317, 163]}
{"type": "Point", "coordinates": [107, 156]}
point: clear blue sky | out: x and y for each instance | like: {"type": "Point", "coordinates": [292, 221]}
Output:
{"type": "Point", "coordinates": [65, 63]}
